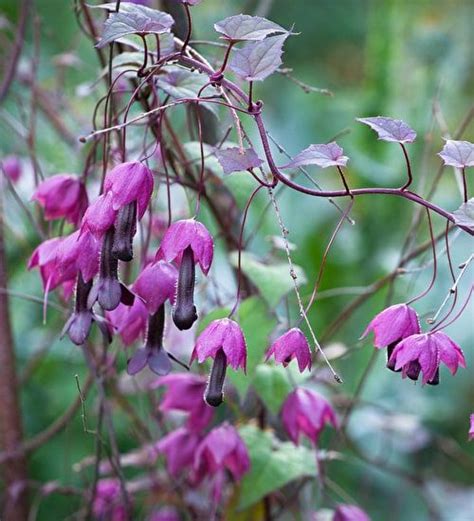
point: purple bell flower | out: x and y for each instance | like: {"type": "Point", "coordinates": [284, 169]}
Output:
{"type": "Point", "coordinates": [156, 284]}
{"type": "Point", "coordinates": [292, 344]}
{"type": "Point", "coordinates": [187, 242]}
{"type": "Point", "coordinates": [130, 322]}
{"type": "Point", "coordinates": [184, 392]}
{"type": "Point", "coordinates": [305, 412]}
{"type": "Point", "coordinates": [392, 325]}
{"type": "Point", "coordinates": [62, 195]}
{"type": "Point", "coordinates": [222, 449]}
{"type": "Point", "coordinates": [180, 447]}
{"type": "Point", "coordinates": [424, 353]}
{"type": "Point", "coordinates": [224, 341]}
{"type": "Point", "coordinates": [44, 257]}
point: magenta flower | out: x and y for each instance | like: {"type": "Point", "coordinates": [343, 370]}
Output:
{"type": "Point", "coordinates": [79, 253]}
{"type": "Point", "coordinates": [185, 234]}
{"type": "Point", "coordinates": [11, 167]}
{"type": "Point", "coordinates": [127, 192]}
{"type": "Point", "coordinates": [188, 242]}
{"type": "Point", "coordinates": [156, 284]}
{"type": "Point", "coordinates": [62, 195]}
{"type": "Point", "coordinates": [180, 447]}
{"type": "Point", "coordinates": [100, 215]}
{"type": "Point", "coordinates": [471, 427]}
{"type": "Point", "coordinates": [222, 449]}
{"type": "Point", "coordinates": [306, 412]}
{"type": "Point", "coordinates": [350, 513]}
{"type": "Point", "coordinates": [78, 326]}
{"type": "Point", "coordinates": [45, 258]}
{"type": "Point", "coordinates": [424, 353]}
{"type": "Point", "coordinates": [130, 322]}
{"type": "Point", "coordinates": [392, 325]}
{"type": "Point", "coordinates": [224, 341]}
{"type": "Point", "coordinates": [108, 291]}
{"type": "Point", "coordinates": [185, 393]}
{"type": "Point", "coordinates": [292, 344]}
{"type": "Point", "coordinates": [165, 514]}
{"type": "Point", "coordinates": [108, 501]}
{"type": "Point", "coordinates": [128, 183]}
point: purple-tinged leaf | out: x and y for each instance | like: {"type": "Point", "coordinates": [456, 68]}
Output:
{"type": "Point", "coordinates": [183, 83]}
{"type": "Point", "coordinates": [244, 27]}
{"type": "Point", "coordinates": [236, 160]}
{"type": "Point", "coordinates": [135, 19]}
{"type": "Point", "coordinates": [390, 129]}
{"type": "Point", "coordinates": [323, 156]}
{"type": "Point", "coordinates": [464, 215]}
{"type": "Point", "coordinates": [458, 153]}
{"type": "Point", "coordinates": [257, 60]}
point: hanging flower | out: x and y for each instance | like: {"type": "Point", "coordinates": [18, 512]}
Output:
{"type": "Point", "coordinates": [305, 412]}
{"type": "Point", "coordinates": [292, 344]}
{"type": "Point", "coordinates": [424, 353]}
{"type": "Point", "coordinates": [224, 341]}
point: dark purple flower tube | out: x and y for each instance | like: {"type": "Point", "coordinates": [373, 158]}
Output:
{"type": "Point", "coordinates": [184, 312]}
{"type": "Point", "coordinates": [79, 324]}
{"type": "Point", "coordinates": [214, 394]}
{"type": "Point", "coordinates": [152, 354]}
{"type": "Point", "coordinates": [108, 290]}
{"type": "Point", "coordinates": [125, 229]}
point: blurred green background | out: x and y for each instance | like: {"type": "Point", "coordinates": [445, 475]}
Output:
{"type": "Point", "coordinates": [406, 59]}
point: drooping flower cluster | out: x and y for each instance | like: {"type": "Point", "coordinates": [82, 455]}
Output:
{"type": "Point", "coordinates": [408, 349]}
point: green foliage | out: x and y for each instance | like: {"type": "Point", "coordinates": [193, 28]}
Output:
{"type": "Point", "coordinates": [272, 280]}
{"type": "Point", "coordinates": [257, 324]}
{"type": "Point", "coordinates": [274, 464]}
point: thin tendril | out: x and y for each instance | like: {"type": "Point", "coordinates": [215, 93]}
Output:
{"type": "Point", "coordinates": [239, 258]}
{"type": "Point", "coordinates": [284, 233]}
{"type": "Point", "coordinates": [435, 263]}
{"type": "Point", "coordinates": [326, 252]}
{"type": "Point", "coordinates": [460, 312]}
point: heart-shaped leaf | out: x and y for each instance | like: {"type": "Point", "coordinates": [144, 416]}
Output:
{"type": "Point", "coordinates": [236, 160]}
{"type": "Point", "coordinates": [274, 464]}
{"type": "Point", "coordinates": [257, 60]}
{"type": "Point", "coordinates": [134, 19]}
{"type": "Point", "coordinates": [272, 385]}
{"type": "Point", "coordinates": [458, 153]}
{"type": "Point", "coordinates": [464, 215]}
{"type": "Point", "coordinates": [244, 27]}
{"type": "Point", "coordinates": [272, 280]}
{"type": "Point", "coordinates": [319, 155]}
{"type": "Point", "coordinates": [390, 129]}
{"type": "Point", "coordinates": [183, 83]}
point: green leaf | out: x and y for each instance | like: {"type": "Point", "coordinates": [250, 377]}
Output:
{"type": "Point", "coordinates": [273, 281]}
{"type": "Point", "coordinates": [257, 324]}
{"type": "Point", "coordinates": [274, 464]}
{"type": "Point", "coordinates": [241, 185]}
{"type": "Point", "coordinates": [272, 385]}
